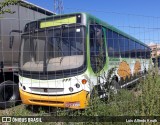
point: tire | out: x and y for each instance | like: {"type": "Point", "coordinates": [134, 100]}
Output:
{"type": "Point", "coordinates": [114, 87]}
{"type": "Point", "coordinates": [9, 94]}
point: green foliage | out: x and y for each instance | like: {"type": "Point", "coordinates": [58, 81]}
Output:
{"type": "Point", "coordinates": [149, 99]}
{"type": "Point", "coordinates": [7, 3]}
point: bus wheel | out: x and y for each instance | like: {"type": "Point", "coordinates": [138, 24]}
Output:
{"type": "Point", "coordinates": [9, 94]}
{"type": "Point", "coordinates": [114, 87]}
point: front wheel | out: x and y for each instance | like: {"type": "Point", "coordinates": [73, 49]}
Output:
{"type": "Point", "coordinates": [9, 94]}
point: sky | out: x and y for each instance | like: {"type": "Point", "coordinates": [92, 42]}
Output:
{"type": "Point", "coordinates": [140, 18]}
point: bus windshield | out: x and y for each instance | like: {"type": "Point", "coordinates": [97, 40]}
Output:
{"type": "Point", "coordinates": [53, 50]}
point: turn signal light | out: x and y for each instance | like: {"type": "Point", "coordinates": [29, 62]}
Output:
{"type": "Point", "coordinates": [84, 81]}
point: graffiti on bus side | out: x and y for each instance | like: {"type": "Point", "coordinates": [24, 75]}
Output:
{"type": "Point", "coordinates": [124, 70]}
{"type": "Point", "coordinates": [137, 67]}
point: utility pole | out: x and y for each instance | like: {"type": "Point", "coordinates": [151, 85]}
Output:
{"type": "Point", "coordinates": [58, 6]}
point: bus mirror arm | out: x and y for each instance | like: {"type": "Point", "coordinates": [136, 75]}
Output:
{"type": "Point", "coordinates": [11, 41]}
{"type": "Point", "coordinates": [11, 37]}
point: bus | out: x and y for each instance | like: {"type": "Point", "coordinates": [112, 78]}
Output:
{"type": "Point", "coordinates": [63, 58]}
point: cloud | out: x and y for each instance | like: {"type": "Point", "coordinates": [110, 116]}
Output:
{"type": "Point", "coordinates": [151, 43]}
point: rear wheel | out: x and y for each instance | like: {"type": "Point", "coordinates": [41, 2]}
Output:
{"type": "Point", "coordinates": [9, 94]}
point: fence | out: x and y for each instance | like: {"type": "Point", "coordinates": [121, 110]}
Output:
{"type": "Point", "coordinates": [141, 100]}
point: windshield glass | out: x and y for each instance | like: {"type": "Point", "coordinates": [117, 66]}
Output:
{"type": "Point", "coordinates": [53, 50]}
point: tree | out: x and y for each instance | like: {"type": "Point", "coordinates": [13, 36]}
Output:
{"type": "Point", "coordinates": [7, 3]}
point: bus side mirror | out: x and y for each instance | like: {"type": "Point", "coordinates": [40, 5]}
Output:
{"type": "Point", "coordinates": [12, 37]}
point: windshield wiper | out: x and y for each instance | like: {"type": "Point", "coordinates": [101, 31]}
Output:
{"type": "Point", "coordinates": [61, 30]}
{"type": "Point", "coordinates": [34, 51]}
{"type": "Point", "coordinates": [60, 48]}
{"type": "Point", "coordinates": [54, 40]}
{"type": "Point", "coordinates": [60, 41]}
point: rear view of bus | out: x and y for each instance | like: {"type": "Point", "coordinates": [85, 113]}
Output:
{"type": "Point", "coordinates": [53, 62]}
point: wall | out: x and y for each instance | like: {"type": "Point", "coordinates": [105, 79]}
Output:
{"type": "Point", "coordinates": [10, 22]}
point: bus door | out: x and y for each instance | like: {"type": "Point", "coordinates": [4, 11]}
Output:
{"type": "Point", "coordinates": [97, 47]}
{"type": "Point", "coordinates": [98, 58]}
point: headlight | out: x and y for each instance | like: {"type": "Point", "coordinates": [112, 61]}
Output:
{"type": "Point", "coordinates": [77, 85]}
{"type": "Point", "coordinates": [70, 89]}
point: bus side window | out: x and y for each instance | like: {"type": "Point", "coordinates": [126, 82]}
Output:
{"type": "Point", "coordinates": [148, 54]}
{"type": "Point", "coordinates": [97, 48]}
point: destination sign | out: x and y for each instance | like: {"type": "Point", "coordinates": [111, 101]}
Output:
{"type": "Point", "coordinates": [58, 22]}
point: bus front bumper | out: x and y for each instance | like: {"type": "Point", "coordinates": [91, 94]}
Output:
{"type": "Point", "coordinates": [76, 101]}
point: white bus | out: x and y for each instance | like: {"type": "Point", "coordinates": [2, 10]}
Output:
{"type": "Point", "coordinates": [62, 56]}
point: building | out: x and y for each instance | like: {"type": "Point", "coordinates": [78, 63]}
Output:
{"type": "Point", "coordinates": [155, 54]}
{"type": "Point", "coordinates": [155, 48]}
{"type": "Point", "coordinates": [11, 27]}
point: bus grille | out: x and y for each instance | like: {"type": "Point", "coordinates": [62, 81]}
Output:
{"type": "Point", "coordinates": [49, 102]}
{"type": "Point", "coordinates": [46, 90]}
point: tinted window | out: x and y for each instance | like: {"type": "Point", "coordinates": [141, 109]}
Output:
{"type": "Point", "coordinates": [143, 52]}
{"type": "Point", "coordinates": [127, 48]}
{"type": "Point", "coordinates": [148, 54]}
{"type": "Point", "coordinates": [138, 50]}
{"type": "Point", "coordinates": [116, 44]}
{"type": "Point", "coordinates": [113, 43]}
{"type": "Point", "coordinates": [109, 34]}
{"type": "Point", "coordinates": [122, 46]}
{"type": "Point", "coordinates": [110, 44]}
{"type": "Point", "coordinates": [132, 48]}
